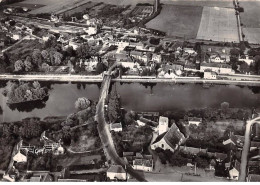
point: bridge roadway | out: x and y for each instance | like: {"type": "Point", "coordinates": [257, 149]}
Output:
{"type": "Point", "coordinates": [104, 131]}
{"type": "Point", "coordinates": [135, 79]}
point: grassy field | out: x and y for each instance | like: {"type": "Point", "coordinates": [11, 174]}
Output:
{"type": "Point", "coordinates": [218, 24]}
{"type": "Point", "coordinates": [181, 21]}
{"type": "Point", "coordinates": [251, 20]}
{"type": "Point", "coordinates": [252, 35]}
{"type": "Point", "coordinates": [51, 5]}
{"type": "Point", "coordinates": [251, 15]}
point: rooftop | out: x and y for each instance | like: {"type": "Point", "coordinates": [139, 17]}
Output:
{"type": "Point", "coordinates": [116, 169]}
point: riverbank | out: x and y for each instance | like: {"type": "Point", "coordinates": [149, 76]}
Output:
{"type": "Point", "coordinates": [128, 79]}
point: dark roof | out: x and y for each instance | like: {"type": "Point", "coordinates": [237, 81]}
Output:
{"type": "Point", "coordinates": [159, 137]}
{"type": "Point", "coordinates": [116, 125]}
{"type": "Point", "coordinates": [215, 65]}
{"type": "Point", "coordinates": [195, 119]}
{"type": "Point", "coordinates": [143, 162]}
{"type": "Point", "coordinates": [128, 154]}
{"type": "Point", "coordinates": [173, 136]}
{"type": "Point", "coordinates": [116, 169]}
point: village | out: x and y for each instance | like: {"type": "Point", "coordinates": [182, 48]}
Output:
{"type": "Point", "coordinates": [192, 145]}
{"type": "Point", "coordinates": [139, 50]}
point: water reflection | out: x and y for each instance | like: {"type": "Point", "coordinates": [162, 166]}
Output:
{"type": "Point", "coordinates": [139, 97]}
{"type": "Point", "coordinates": [29, 106]}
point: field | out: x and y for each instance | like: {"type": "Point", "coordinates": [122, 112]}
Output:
{"type": "Point", "coordinates": [252, 35]}
{"type": "Point", "coordinates": [181, 21]}
{"type": "Point", "coordinates": [27, 5]}
{"type": "Point", "coordinates": [251, 21]}
{"type": "Point", "coordinates": [251, 15]}
{"type": "Point", "coordinates": [51, 5]}
{"type": "Point", "coordinates": [218, 24]}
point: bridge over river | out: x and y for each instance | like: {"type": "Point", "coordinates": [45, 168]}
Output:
{"type": "Point", "coordinates": [104, 131]}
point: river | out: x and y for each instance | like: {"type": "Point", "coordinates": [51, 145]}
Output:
{"type": "Point", "coordinates": [137, 97]}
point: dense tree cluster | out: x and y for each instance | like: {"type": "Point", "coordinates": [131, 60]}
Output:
{"type": "Point", "coordinates": [113, 105]}
{"type": "Point", "coordinates": [24, 92]}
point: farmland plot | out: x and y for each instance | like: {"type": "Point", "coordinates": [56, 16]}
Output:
{"type": "Point", "coordinates": [180, 21]}
{"type": "Point", "coordinates": [218, 24]}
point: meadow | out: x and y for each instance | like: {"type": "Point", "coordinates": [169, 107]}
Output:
{"type": "Point", "coordinates": [218, 24]}
{"type": "Point", "coordinates": [180, 21]}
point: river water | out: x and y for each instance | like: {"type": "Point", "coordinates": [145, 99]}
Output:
{"type": "Point", "coordinates": [137, 97]}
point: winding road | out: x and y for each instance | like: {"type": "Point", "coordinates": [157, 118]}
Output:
{"type": "Point", "coordinates": [246, 148]}
{"type": "Point", "coordinates": [104, 132]}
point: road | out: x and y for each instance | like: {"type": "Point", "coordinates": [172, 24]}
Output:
{"type": "Point", "coordinates": [139, 79]}
{"type": "Point", "coordinates": [246, 149]}
{"type": "Point", "coordinates": [104, 132]}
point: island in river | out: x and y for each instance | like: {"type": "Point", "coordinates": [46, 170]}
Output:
{"type": "Point", "coordinates": [25, 92]}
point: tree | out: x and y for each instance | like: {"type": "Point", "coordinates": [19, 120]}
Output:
{"type": "Point", "coordinates": [45, 67]}
{"type": "Point", "coordinates": [19, 65]}
{"type": "Point", "coordinates": [28, 64]}
{"type": "Point", "coordinates": [45, 54]}
{"type": "Point", "coordinates": [37, 57]}
{"type": "Point", "coordinates": [234, 52]}
{"type": "Point", "coordinates": [225, 107]}
{"type": "Point", "coordinates": [113, 105]}
{"type": "Point", "coordinates": [83, 50]}
{"type": "Point", "coordinates": [201, 162]}
{"type": "Point", "coordinates": [82, 103]}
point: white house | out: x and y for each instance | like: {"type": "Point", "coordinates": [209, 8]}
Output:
{"type": "Point", "coordinates": [20, 158]}
{"type": "Point", "coordinates": [194, 121]}
{"type": "Point", "coordinates": [92, 30]}
{"type": "Point", "coordinates": [163, 125]}
{"type": "Point", "coordinates": [16, 36]}
{"type": "Point", "coordinates": [217, 59]}
{"type": "Point", "coordinates": [189, 50]}
{"type": "Point", "coordinates": [116, 127]}
{"type": "Point", "coordinates": [208, 74]}
{"type": "Point", "coordinates": [217, 67]}
{"type": "Point", "coordinates": [234, 172]}
{"type": "Point", "coordinates": [157, 58]}
{"type": "Point", "coordinates": [246, 59]}
{"type": "Point", "coordinates": [140, 123]}
{"type": "Point", "coordinates": [116, 172]}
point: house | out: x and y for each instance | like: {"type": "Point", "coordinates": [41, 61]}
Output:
{"type": "Point", "coordinates": [170, 139]}
{"type": "Point", "coordinates": [92, 30]}
{"type": "Point", "coordinates": [116, 172]}
{"type": "Point", "coordinates": [140, 123]}
{"type": "Point", "coordinates": [193, 150]}
{"type": "Point", "coordinates": [16, 36]}
{"type": "Point", "coordinates": [143, 164]}
{"type": "Point", "coordinates": [189, 51]}
{"type": "Point", "coordinates": [208, 74]}
{"type": "Point", "coordinates": [234, 140]}
{"type": "Point", "coordinates": [163, 125]}
{"type": "Point", "coordinates": [234, 171]}
{"type": "Point", "coordinates": [247, 59]}
{"type": "Point", "coordinates": [217, 67]}
{"type": "Point", "coordinates": [116, 127]}
{"type": "Point", "coordinates": [139, 55]}
{"type": "Point", "coordinates": [71, 180]}
{"type": "Point", "coordinates": [157, 58]}
{"type": "Point", "coordinates": [41, 177]}
{"type": "Point", "coordinates": [194, 121]}
{"type": "Point", "coordinates": [20, 158]}
{"type": "Point", "coordinates": [217, 59]}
